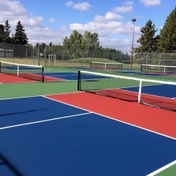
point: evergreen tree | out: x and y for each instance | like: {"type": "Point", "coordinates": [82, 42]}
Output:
{"type": "Point", "coordinates": [7, 31]}
{"type": "Point", "coordinates": [20, 35]}
{"type": "Point", "coordinates": [75, 40]}
{"type": "Point", "coordinates": [1, 33]}
{"type": "Point", "coordinates": [90, 41]}
{"type": "Point", "coordinates": [148, 41]}
{"type": "Point", "coordinates": [167, 41]}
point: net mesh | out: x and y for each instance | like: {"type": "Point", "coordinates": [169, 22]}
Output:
{"type": "Point", "coordinates": [33, 72]}
{"type": "Point", "coordinates": [104, 65]}
{"type": "Point", "coordinates": [158, 94]}
{"type": "Point", "coordinates": [158, 68]}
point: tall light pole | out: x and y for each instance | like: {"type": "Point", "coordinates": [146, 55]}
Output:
{"type": "Point", "coordinates": [132, 47]}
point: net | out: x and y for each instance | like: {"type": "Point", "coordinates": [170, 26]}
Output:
{"type": "Point", "coordinates": [33, 72]}
{"type": "Point", "coordinates": [160, 94]}
{"type": "Point", "coordinates": [158, 68]}
{"type": "Point", "coordinates": [108, 65]}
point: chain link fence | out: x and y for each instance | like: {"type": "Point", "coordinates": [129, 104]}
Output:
{"type": "Point", "coordinates": [155, 58]}
{"type": "Point", "coordinates": [58, 56]}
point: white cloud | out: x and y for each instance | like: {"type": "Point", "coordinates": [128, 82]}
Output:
{"type": "Point", "coordinates": [51, 20]}
{"type": "Point", "coordinates": [109, 27]}
{"type": "Point", "coordinates": [112, 16]}
{"type": "Point", "coordinates": [111, 31]}
{"type": "Point", "coordinates": [83, 6]}
{"type": "Point", "coordinates": [44, 35]}
{"type": "Point", "coordinates": [32, 21]}
{"type": "Point", "coordinates": [11, 7]}
{"type": "Point", "coordinates": [128, 3]}
{"type": "Point", "coordinates": [13, 11]}
{"type": "Point", "coordinates": [123, 45]}
{"type": "Point", "coordinates": [69, 3]}
{"type": "Point", "coordinates": [108, 17]}
{"type": "Point", "coordinates": [99, 18]}
{"type": "Point", "coordinates": [123, 9]}
{"type": "Point", "coordinates": [151, 2]}
{"type": "Point", "coordinates": [103, 28]}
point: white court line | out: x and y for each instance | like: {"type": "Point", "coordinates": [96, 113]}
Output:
{"type": "Point", "coordinates": [162, 169]}
{"type": "Point", "coordinates": [43, 121]}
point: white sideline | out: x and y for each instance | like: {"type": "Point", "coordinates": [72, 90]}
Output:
{"type": "Point", "coordinates": [162, 168]}
{"type": "Point", "coordinates": [43, 121]}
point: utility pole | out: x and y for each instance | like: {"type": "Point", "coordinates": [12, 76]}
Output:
{"type": "Point", "coordinates": [132, 47]}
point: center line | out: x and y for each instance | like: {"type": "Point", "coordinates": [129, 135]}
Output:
{"type": "Point", "coordinates": [43, 121]}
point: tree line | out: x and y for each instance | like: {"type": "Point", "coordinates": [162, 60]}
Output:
{"type": "Point", "coordinates": [82, 46]}
{"type": "Point", "coordinates": [87, 45]}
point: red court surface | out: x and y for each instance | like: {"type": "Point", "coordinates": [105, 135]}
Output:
{"type": "Point", "coordinates": [153, 119]}
{"type": "Point", "coordinates": [9, 79]}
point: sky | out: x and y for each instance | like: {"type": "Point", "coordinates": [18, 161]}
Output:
{"type": "Point", "coordinates": [52, 20]}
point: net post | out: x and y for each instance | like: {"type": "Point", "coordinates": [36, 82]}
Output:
{"type": "Point", "coordinates": [0, 66]}
{"type": "Point", "coordinates": [79, 80]}
{"type": "Point", "coordinates": [140, 90]}
{"type": "Point", "coordinates": [43, 77]}
{"type": "Point", "coordinates": [164, 69]}
{"type": "Point", "coordinates": [141, 68]}
{"type": "Point", "coordinates": [18, 70]}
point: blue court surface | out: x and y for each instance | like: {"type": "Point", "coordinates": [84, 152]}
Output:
{"type": "Point", "coordinates": [71, 75]}
{"type": "Point", "coordinates": [42, 137]}
{"type": "Point", "coordinates": [163, 90]}
{"type": "Point", "coordinates": [63, 75]}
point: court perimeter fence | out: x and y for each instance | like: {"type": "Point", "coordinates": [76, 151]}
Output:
{"type": "Point", "coordinates": [58, 56]}
{"type": "Point", "coordinates": [155, 58]}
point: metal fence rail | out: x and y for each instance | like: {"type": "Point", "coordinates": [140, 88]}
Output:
{"type": "Point", "coordinates": [155, 58]}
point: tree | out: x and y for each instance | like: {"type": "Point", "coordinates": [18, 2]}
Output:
{"type": "Point", "coordinates": [90, 41]}
{"type": "Point", "coordinates": [7, 31]}
{"type": "Point", "coordinates": [1, 33]}
{"type": "Point", "coordinates": [84, 45]}
{"type": "Point", "coordinates": [167, 41]}
{"type": "Point", "coordinates": [20, 35]}
{"type": "Point", "coordinates": [66, 42]}
{"type": "Point", "coordinates": [74, 42]}
{"type": "Point", "coordinates": [148, 41]}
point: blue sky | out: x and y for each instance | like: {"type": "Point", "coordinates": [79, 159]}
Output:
{"type": "Point", "coordinates": [50, 21]}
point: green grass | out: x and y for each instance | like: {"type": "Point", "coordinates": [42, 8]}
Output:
{"type": "Point", "coordinates": [35, 89]}
{"type": "Point", "coordinates": [79, 62]}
